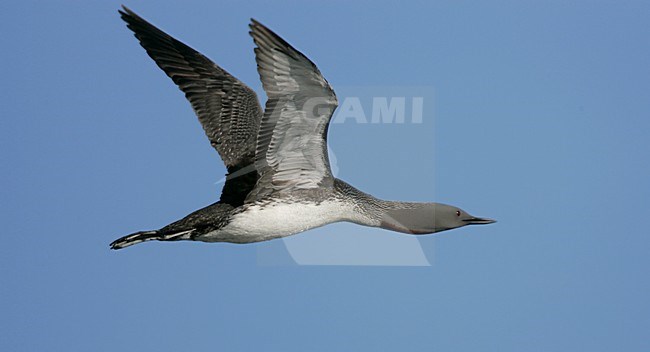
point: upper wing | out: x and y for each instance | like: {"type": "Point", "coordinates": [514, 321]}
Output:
{"type": "Point", "coordinates": [227, 109]}
{"type": "Point", "coordinates": [292, 142]}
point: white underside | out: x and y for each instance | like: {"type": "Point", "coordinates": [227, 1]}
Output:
{"type": "Point", "coordinates": [261, 223]}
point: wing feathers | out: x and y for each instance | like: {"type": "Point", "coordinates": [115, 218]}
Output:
{"type": "Point", "coordinates": [287, 143]}
{"type": "Point", "coordinates": [291, 145]}
{"type": "Point", "coordinates": [227, 109]}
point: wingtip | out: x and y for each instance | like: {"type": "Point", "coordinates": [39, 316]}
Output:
{"type": "Point", "coordinates": [253, 23]}
{"type": "Point", "coordinates": [256, 25]}
{"type": "Point", "coordinates": [124, 10]}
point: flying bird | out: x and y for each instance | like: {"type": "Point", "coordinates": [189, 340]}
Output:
{"type": "Point", "coordinates": [279, 180]}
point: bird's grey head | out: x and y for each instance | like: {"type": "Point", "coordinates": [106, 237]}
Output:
{"type": "Point", "coordinates": [424, 218]}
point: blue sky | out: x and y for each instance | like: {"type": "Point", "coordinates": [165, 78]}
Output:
{"type": "Point", "coordinates": [540, 118]}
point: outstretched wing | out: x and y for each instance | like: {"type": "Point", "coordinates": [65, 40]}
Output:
{"type": "Point", "coordinates": [292, 142]}
{"type": "Point", "coordinates": [227, 109]}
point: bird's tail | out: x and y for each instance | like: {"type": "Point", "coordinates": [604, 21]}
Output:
{"type": "Point", "coordinates": [144, 236]}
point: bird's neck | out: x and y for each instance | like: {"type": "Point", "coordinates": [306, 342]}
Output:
{"type": "Point", "coordinates": [398, 216]}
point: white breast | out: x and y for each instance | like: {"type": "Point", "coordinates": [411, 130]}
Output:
{"type": "Point", "coordinates": [268, 221]}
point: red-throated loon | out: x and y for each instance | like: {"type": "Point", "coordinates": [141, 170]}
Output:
{"type": "Point", "coordinates": [279, 181]}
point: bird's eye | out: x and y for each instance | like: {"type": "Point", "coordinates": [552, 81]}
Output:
{"type": "Point", "coordinates": [457, 212]}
